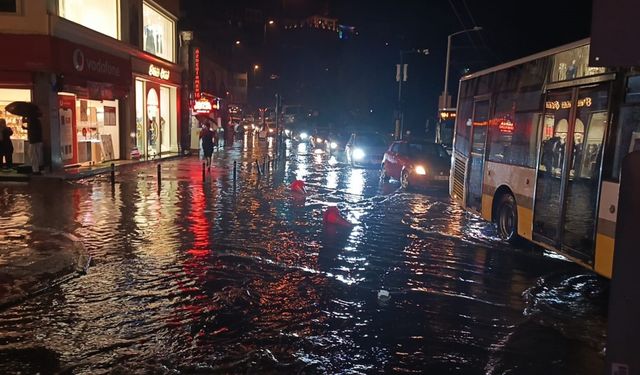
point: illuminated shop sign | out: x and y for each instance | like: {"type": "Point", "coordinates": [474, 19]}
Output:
{"type": "Point", "coordinates": [566, 104]}
{"type": "Point", "coordinates": [506, 127]}
{"type": "Point", "coordinates": [447, 114]}
{"type": "Point", "coordinates": [162, 73]}
{"type": "Point", "coordinates": [196, 71]}
{"type": "Point", "coordinates": [204, 105]}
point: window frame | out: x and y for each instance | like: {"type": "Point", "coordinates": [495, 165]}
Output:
{"type": "Point", "coordinates": [118, 20]}
{"type": "Point", "coordinates": [171, 18]}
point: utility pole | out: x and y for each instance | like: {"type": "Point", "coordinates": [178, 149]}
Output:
{"type": "Point", "coordinates": [401, 75]}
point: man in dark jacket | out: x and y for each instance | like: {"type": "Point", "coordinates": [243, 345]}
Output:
{"type": "Point", "coordinates": [34, 136]}
{"type": "Point", "coordinates": [6, 147]}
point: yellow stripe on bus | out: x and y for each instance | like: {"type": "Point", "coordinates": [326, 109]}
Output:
{"type": "Point", "coordinates": [487, 206]}
{"type": "Point", "coordinates": [604, 255]}
{"type": "Point", "coordinates": [525, 222]}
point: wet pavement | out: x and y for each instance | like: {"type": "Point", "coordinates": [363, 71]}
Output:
{"type": "Point", "coordinates": [192, 277]}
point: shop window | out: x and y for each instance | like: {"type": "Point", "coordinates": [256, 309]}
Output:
{"type": "Point", "coordinates": [102, 16]}
{"type": "Point", "coordinates": [19, 136]}
{"type": "Point", "coordinates": [8, 6]}
{"type": "Point", "coordinates": [158, 33]}
{"type": "Point", "coordinates": [573, 64]}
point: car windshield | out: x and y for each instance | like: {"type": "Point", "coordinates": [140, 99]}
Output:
{"type": "Point", "coordinates": [426, 149]}
{"type": "Point", "coordinates": [370, 141]}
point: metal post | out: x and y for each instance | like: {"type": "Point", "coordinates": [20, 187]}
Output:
{"type": "Point", "coordinates": [159, 175]}
{"type": "Point", "coordinates": [234, 174]}
{"type": "Point", "coordinates": [203, 173]}
{"type": "Point", "coordinates": [113, 174]}
{"type": "Point", "coordinates": [446, 73]}
{"type": "Point", "coordinates": [258, 167]}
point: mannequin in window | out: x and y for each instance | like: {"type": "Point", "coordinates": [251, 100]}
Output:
{"type": "Point", "coordinates": [149, 40]}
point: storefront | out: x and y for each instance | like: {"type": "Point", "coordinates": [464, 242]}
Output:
{"type": "Point", "coordinates": [19, 137]}
{"type": "Point", "coordinates": [156, 87]}
{"type": "Point", "coordinates": [93, 92]}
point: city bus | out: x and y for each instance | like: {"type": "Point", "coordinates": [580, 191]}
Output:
{"type": "Point", "coordinates": [538, 146]}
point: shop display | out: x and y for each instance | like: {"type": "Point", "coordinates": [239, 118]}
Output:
{"type": "Point", "coordinates": [19, 137]}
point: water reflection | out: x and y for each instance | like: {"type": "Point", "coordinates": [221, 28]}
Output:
{"type": "Point", "coordinates": [196, 278]}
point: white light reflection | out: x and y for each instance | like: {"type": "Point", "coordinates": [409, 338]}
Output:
{"type": "Point", "coordinates": [302, 148]}
{"type": "Point", "coordinates": [332, 180]}
{"type": "Point", "coordinates": [333, 160]}
{"type": "Point", "coordinates": [355, 185]}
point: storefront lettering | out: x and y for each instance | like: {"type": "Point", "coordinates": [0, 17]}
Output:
{"type": "Point", "coordinates": [566, 104]}
{"type": "Point", "coordinates": [196, 77]}
{"type": "Point", "coordinates": [99, 66]}
{"type": "Point", "coordinates": [158, 72]}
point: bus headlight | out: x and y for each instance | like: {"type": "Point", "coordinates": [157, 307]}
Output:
{"type": "Point", "coordinates": [358, 154]}
{"type": "Point", "coordinates": [420, 170]}
{"type": "Point", "coordinates": [304, 135]}
{"type": "Point", "coordinates": [334, 145]}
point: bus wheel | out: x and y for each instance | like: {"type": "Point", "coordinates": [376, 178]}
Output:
{"type": "Point", "coordinates": [507, 219]}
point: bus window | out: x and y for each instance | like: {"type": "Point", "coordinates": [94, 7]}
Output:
{"type": "Point", "coordinates": [463, 125]}
{"type": "Point", "coordinates": [628, 137]}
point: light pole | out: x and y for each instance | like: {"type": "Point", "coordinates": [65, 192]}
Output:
{"type": "Point", "coordinates": [264, 35]}
{"type": "Point", "coordinates": [401, 75]}
{"type": "Point", "coordinates": [445, 93]}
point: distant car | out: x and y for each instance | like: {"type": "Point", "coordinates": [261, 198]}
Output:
{"type": "Point", "coordinates": [336, 142]}
{"type": "Point", "coordinates": [416, 164]}
{"type": "Point", "coordinates": [318, 140]}
{"type": "Point", "coordinates": [365, 149]}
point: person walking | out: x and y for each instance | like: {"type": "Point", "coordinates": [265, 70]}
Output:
{"type": "Point", "coordinates": [6, 146]}
{"type": "Point", "coordinates": [206, 138]}
{"type": "Point", "coordinates": [34, 136]}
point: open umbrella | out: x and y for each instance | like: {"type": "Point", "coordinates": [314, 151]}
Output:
{"type": "Point", "coordinates": [23, 109]}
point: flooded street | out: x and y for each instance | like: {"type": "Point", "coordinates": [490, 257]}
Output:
{"type": "Point", "coordinates": [196, 278]}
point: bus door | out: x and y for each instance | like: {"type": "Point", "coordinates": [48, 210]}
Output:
{"type": "Point", "coordinates": [568, 179]}
{"type": "Point", "coordinates": [479, 124]}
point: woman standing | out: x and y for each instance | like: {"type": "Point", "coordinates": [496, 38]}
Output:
{"type": "Point", "coordinates": [6, 147]}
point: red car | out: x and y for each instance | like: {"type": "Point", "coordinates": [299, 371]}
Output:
{"type": "Point", "coordinates": [416, 164]}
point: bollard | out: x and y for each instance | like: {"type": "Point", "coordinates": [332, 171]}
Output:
{"type": "Point", "coordinates": [159, 175]}
{"type": "Point", "coordinates": [113, 174]}
{"type": "Point", "coordinates": [203, 173]}
{"type": "Point", "coordinates": [234, 173]}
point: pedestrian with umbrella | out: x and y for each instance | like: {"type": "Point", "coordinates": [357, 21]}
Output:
{"type": "Point", "coordinates": [31, 116]}
{"type": "Point", "coordinates": [6, 146]}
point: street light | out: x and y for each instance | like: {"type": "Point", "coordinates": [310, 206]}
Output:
{"type": "Point", "coordinates": [445, 92]}
{"type": "Point", "coordinates": [401, 75]}
{"type": "Point", "coordinates": [264, 35]}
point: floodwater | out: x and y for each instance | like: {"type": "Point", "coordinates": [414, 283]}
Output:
{"type": "Point", "coordinates": [194, 278]}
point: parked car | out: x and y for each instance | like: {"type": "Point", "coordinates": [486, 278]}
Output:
{"type": "Point", "coordinates": [365, 149]}
{"type": "Point", "coordinates": [416, 163]}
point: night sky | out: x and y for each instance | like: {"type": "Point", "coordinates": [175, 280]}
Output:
{"type": "Point", "coordinates": [360, 86]}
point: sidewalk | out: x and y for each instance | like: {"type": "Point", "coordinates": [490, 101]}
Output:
{"type": "Point", "coordinates": [76, 173]}
{"type": "Point", "coordinates": [49, 258]}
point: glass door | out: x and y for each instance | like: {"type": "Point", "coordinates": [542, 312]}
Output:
{"type": "Point", "coordinates": [583, 182]}
{"type": "Point", "coordinates": [569, 169]}
{"type": "Point", "coordinates": [476, 158]}
{"type": "Point", "coordinates": [552, 166]}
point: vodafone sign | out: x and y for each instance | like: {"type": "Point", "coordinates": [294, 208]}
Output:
{"type": "Point", "coordinates": [88, 63]}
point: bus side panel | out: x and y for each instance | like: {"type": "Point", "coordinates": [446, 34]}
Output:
{"type": "Point", "coordinates": [520, 180]}
{"type": "Point", "coordinates": [605, 236]}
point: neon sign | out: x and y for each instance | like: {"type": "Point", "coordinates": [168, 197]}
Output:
{"type": "Point", "coordinates": [158, 72]}
{"type": "Point", "coordinates": [202, 105]}
{"type": "Point", "coordinates": [196, 70]}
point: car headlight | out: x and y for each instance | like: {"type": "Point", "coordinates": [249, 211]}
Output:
{"type": "Point", "coordinates": [304, 135]}
{"type": "Point", "coordinates": [270, 130]}
{"type": "Point", "coordinates": [334, 145]}
{"type": "Point", "coordinates": [319, 140]}
{"type": "Point", "coordinates": [420, 170]}
{"type": "Point", "coordinates": [287, 131]}
{"type": "Point", "coordinates": [358, 154]}
{"type": "Point", "coordinates": [246, 127]}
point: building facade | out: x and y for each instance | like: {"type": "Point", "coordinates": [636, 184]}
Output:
{"type": "Point", "coordinates": [103, 72]}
